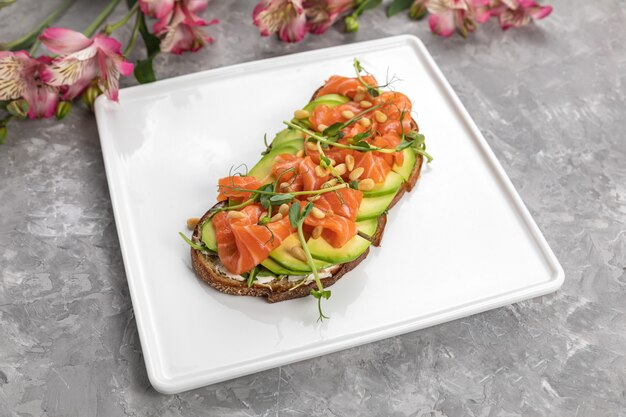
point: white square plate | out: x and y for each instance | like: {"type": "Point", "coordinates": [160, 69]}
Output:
{"type": "Point", "coordinates": [462, 242]}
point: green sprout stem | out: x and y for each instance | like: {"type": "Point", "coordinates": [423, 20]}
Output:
{"type": "Point", "coordinates": [133, 36]}
{"type": "Point", "coordinates": [332, 168]}
{"type": "Point", "coordinates": [104, 14]}
{"type": "Point", "coordinates": [358, 68]}
{"type": "Point", "coordinates": [323, 139]}
{"type": "Point", "coordinates": [29, 39]}
{"type": "Point", "coordinates": [311, 263]}
{"type": "Point", "coordinates": [112, 27]}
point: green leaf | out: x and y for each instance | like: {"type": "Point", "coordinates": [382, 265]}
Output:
{"type": "Point", "coordinates": [294, 215]}
{"type": "Point", "coordinates": [361, 136]}
{"type": "Point", "coordinates": [397, 6]}
{"type": "Point", "coordinates": [403, 145]}
{"type": "Point", "coordinates": [278, 199]}
{"type": "Point", "coordinates": [144, 73]}
{"type": "Point", "coordinates": [192, 244]}
{"type": "Point", "coordinates": [354, 185]}
{"type": "Point", "coordinates": [373, 92]}
{"type": "Point", "coordinates": [324, 161]}
{"type": "Point", "coordinates": [371, 4]}
{"type": "Point", "coordinates": [363, 144]}
{"type": "Point", "coordinates": [252, 276]}
{"type": "Point", "coordinates": [333, 130]}
{"type": "Point", "coordinates": [307, 210]}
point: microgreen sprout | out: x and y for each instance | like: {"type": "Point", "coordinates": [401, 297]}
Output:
{"type": "Point", "coordinates": [372, 90]}
{"type": "Point", "coordinates": [197, 246]}
{"type": "Point", "coordinates": [252, 276]}
{"type": "Point", "coordinates": [268, 147]}
{"type": "Point", "coordinates": [296, 218]}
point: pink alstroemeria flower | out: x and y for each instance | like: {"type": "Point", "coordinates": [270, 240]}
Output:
{"type": "Point", "coordinates": [82, 60]}
{"type": "Point", "coordinates": [287, 17]}
{"type": "Point", "coordinates": [181, 27]}
{"type": "Point", "coordinates": [156, 8]}
{"type": "Point", "coordinates": [321, 14]}
{"type": "Point", "coordinates": [448, 16]}
{"type": "Point", "coordinates": [516, 13]}
{"type": "Point", "coordinates": [20, 77]}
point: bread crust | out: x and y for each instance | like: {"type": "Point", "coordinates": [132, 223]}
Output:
{"type": "Point", "coordinates": [281, 290]}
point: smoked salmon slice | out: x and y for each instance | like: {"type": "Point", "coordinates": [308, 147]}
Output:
{"type": "Point", "coordinates": [242, 243]}
{"type": "Point", "coordinates": [337, 230]}
{"type": "Point", "coordinates": [227, 185]}
{"type": "Point", "coordinates": [344, 202]}
{"type": "Point", "coordinates": [345, 86]}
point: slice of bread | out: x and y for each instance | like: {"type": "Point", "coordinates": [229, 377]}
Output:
{"type": "Point", "coordinates": [208, 268]}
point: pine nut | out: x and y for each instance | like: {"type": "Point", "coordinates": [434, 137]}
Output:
{"type": "Point", "coordinates": [276, 217]}
{"type": "Point", "coordinates": [354, 175]}
{"type": "Point", "coordinates": [332, 162]}
{"type": "Point", "coordinates": [314, 198]}
{"type": "Point", "coordinates": [264, 214]}
{"type": "Point", "coordinates": [347, 114]}
{"type": "Point", "coordinates": [321, 127]}
{"type": "Point", "coordinates": [365, 104]}
{"type": "Point", "coordinates": [192, 222]}
{"type": "Point", "coordinates": [317, 213]}
{"type": "Point", "coordinates": [358, 97]}
{"type": "Point", "coordinates": [311, 146]}
{"type": "Point", "coordinates": [365, 122]}
{"type": "Point", "coordinates": [283, 185]}
{"type": "Point", "coordinates": [298, 253]}
{"type": "Point", "coordinates": [317, 232]}
{"type": "Point", "coordinates": [283, 209]}
{"type": "Point", "coordinates": [361, 89]}
{"type": "Point", "coordinates": [234, 214]}
{"type": "Point", "coordinates": [320, 172]}
{"type": "Point", "coordinates": [350, 162]}
{"type": "Point", "coordinates": [340, 169]}
{"type": "Point", "coordinates": [301, 114]}
{"type": "Point", "coordinates": [380, 116]}
{"type": "Point", "coordinates": [300, 153]}
{"type": "Point", "coordinates": [329, 183]}
{"type": "Point", "coordinates": [366, 185]}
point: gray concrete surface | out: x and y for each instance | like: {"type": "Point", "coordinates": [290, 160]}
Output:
{"type": "Point", "coordinates": [551, 100]}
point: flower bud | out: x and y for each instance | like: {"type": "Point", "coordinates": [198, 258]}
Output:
{"type": "Point", "coordinates": [418, 10]}
{"type": "Point", "coordinates": [351, 23]}
{"type": "Point", "coordinates": [90, 95]}
{"type": "Point", "coordinates": [18, 108]}
{"type": "Point", "coordinates": [63, 109]}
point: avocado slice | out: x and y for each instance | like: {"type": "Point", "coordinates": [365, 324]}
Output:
{"type": "Point", "coordinates": [277, 268]}
{"type": "Point", "coordinates": [408, 164]}
{"type": "Point", "coordinates": [322, 250]}
{"type": "Point", "coordinates": [286, 136]}
{"type": "Point", "coordinates": [263, 169]}
{"type": "Point", "coordinates": [208, 235]}
{"type": "Point", "coordinates": [284, 258]}
{"type": "Point", "coordinates": [391, 185]}
{"type": "Point", "coordinates": [372, 207]}
{"type": "Point", "coordinates": [331, 100]}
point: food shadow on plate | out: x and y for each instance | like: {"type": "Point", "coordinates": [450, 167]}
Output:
{"type": "Point", "coordinates": [344, 292]}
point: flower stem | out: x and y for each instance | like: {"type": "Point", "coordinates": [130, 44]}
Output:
{"type": "Point", "coordinates": [133, 36]}
{"type": "Point", "coordinates": [28, 39]}
{"type": "Point", "coordinates": [34, 48]}
{"type": "Point", "coordinates": [93, 27]}
{"type": "Point", "coordinates": [112, 27]}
